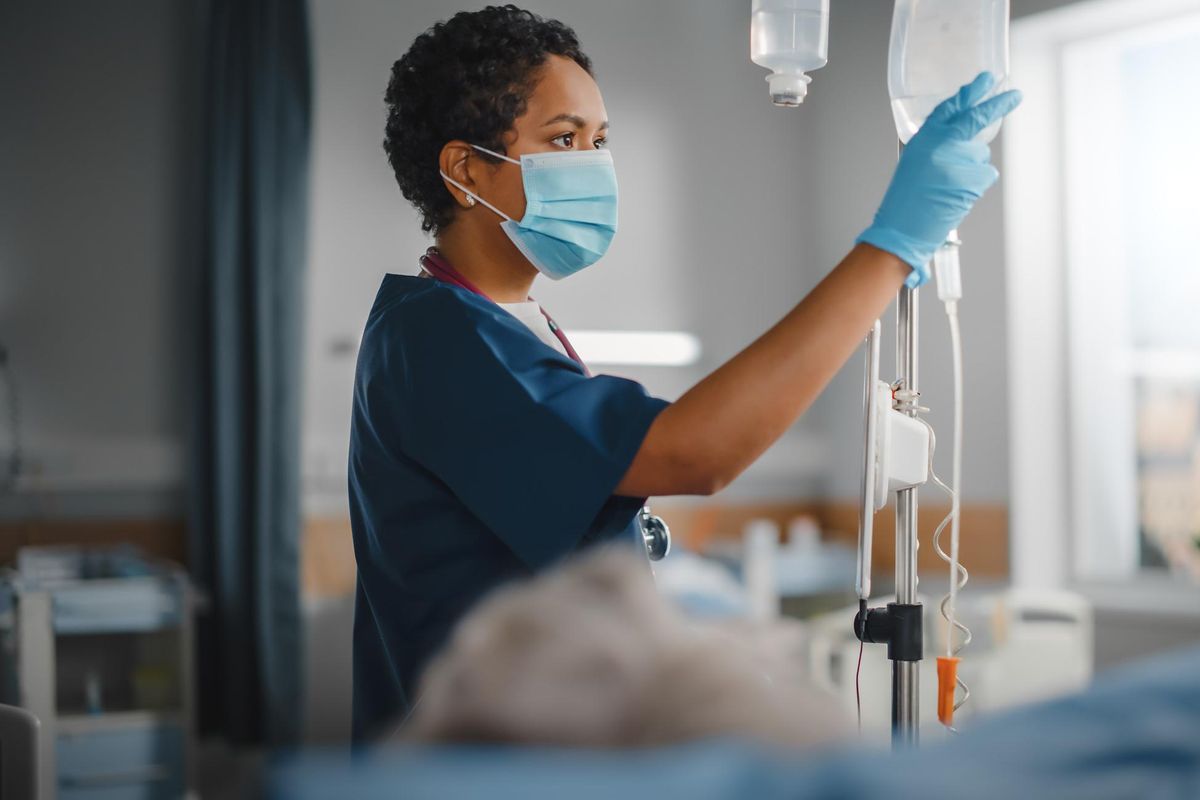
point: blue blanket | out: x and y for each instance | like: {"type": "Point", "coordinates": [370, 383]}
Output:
{"type": "Point", "coordinates": [1135, 734]}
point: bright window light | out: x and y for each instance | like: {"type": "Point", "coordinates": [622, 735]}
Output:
{"type": "Point", "coordinates": [636, 348]}
{"type": "Point", "coordinates": [1180, 365]}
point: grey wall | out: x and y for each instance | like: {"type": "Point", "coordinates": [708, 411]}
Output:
{"type": "Point", "coordinates": [97, 154]}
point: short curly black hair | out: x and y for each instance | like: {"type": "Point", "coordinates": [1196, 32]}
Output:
{"type": "Point", "coordinates": [467, 78]}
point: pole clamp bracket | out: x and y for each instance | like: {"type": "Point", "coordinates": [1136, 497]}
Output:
{"type": "Point", "coordinates": [898, 626]}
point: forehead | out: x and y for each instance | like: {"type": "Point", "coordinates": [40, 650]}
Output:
{"type": "Point", "coordinates": [564, 87]}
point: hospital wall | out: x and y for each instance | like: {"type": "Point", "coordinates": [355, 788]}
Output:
{"type": "Point", "coordinates": [98, 202]}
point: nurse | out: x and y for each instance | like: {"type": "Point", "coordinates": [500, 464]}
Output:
{"type": "Point", "coordinates": [482, 450]}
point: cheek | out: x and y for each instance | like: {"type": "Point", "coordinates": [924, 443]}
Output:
{"type": "Point", "coordinates": [509, 192]}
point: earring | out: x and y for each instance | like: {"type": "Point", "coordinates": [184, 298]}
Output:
{"type": "Point", "coordinates": [470, 201]}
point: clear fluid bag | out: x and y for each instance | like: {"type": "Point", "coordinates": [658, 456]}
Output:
{"type": "Point", "coordinates": [939, 45]}
{"type": "Point", "coordinates": [790, 38]}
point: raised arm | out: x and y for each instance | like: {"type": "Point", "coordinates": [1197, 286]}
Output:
{"type": "Point", "coordinates": [719, 427]}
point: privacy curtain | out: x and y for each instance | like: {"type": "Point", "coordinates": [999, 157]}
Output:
{"type": "Point", "coordinates": [246, 511]}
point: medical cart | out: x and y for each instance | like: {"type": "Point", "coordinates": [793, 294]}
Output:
{"type": "Point", "coordinates": [97, 644]}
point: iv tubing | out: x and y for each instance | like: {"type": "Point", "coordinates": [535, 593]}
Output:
{"type": "Point", "coordinates": [949, 283]}
{"type": "Point", "coordinates": [952, 623]}
{"type": "Point", "coordinates": [955, 475]}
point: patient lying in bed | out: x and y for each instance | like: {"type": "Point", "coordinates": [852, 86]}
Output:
{"type": "Point", "coordinates": [589, 655]}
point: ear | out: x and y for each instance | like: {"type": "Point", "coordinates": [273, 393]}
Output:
{"type": "Point", "coordinates": [454, 160]}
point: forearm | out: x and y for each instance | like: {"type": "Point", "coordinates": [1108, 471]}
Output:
{"type": "Point", "coordinates": [719, 427]}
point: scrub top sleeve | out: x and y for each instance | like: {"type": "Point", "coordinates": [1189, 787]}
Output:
{"type": "Point", "coordinates": [531, 446]}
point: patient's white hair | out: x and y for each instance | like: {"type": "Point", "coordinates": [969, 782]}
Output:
{"type": "Point", "coordinates": [590, 655]}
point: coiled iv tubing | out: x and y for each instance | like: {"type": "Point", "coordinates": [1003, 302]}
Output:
{"type": "Point", "coordinates": [948, 607]}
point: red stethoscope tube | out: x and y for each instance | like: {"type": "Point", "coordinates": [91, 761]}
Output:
{"type": "Point", "coordinates": [436, 265]}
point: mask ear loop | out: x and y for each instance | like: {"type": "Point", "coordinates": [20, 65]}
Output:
{"type": "Point", "coordinates": [474, 196]}
{"type": "Point", "coordinates": [497, 155]}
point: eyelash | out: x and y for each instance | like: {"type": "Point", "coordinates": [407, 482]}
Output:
{"type": "Point", "coordinates": [601, 142]}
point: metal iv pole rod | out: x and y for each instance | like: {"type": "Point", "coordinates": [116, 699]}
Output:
{"type": "Point", "coordinates": [905, 684]}
{"type": "Point", "coordinates": [900, 625]}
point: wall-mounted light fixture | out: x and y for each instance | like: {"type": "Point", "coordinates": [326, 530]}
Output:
{"type": "Point", "coordinates": [637, 348]}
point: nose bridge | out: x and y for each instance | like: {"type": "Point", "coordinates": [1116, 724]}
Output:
{"type": "Point", "coordinates": [593, 131]}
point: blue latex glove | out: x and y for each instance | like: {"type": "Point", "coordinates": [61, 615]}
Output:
{"type": "Point", "coordinates": [940, 175]}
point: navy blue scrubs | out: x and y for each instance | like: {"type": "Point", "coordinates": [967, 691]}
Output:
{"type": "Point", "coordinates": [478, 454]}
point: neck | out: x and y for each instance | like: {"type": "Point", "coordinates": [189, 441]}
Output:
{"type": "Point", "coordinates": [497, 268]}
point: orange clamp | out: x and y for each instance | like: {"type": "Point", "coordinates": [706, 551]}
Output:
{"type": "Point", "coordinates": [947, 671]}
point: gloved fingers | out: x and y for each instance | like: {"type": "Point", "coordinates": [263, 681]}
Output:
{"type": "Point", "coordinates": [974, 178]}
{"type": "Point", "coordinates": [988, 175]}
{"type": "Point", "coordinates": [983, 177]}
{"type": "Point", "coordinates": [967, 150]}
{"type": "Point", "coordinates": [918, 277]}
{"type": "Point", "coordinates": [966, 181]}
{"type": "Point", "coordinates": [964, 98]}
{"type": "Point", "coordinates": [972, 122]}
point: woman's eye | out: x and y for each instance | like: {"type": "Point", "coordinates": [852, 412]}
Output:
{"type": "Point", "coordinates": [566, 140]}
{"type": "Point", "coordinates": [600, 143]}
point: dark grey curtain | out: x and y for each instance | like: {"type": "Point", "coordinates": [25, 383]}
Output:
{"type": "Point", "coordinates": [246, 511]}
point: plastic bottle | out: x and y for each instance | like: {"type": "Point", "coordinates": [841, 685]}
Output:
{"type": "Point", "coordinates": [804, 535]}
{"type": "Point", "coordinates": [760, 545]}
{"type": "Point", "coordinates": [790, 38]}
{"type": "Point", "coordinates": [939, 45]}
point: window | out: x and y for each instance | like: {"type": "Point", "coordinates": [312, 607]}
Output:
{"type": "Point", "coordinates": [1133, 297]}
{"type": "Point", "coordinates": [1103, 215]}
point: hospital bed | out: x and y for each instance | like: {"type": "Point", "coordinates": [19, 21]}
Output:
{"type": "Point", "coordinates": [1134, 734]}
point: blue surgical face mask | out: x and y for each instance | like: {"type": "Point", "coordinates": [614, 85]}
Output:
{"type": "Point", "coordinates": [570, 209]}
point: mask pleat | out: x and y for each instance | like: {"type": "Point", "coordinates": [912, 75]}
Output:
{"type": "Point", "coordinates": [596, 210]}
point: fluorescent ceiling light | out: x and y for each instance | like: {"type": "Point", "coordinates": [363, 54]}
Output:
{"type": "Point", "coordinates": [640, 348]}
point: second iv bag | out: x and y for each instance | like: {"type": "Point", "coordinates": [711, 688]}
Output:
{"type": "Point", "coordinates": [938, 46]}
{"type": "Point", "coordinates": [790, 38]}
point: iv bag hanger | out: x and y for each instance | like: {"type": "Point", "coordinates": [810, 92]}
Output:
{"type": "Point", "coordinates": [895, 455]}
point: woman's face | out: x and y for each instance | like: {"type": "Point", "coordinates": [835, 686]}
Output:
{"type": "Point", "coordinates": [564, 112]}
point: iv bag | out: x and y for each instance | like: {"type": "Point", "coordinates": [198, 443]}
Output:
{"type": "Point", "coordinates": [790, 38]}
{"type": "Point", "coordinates": [937, 47]}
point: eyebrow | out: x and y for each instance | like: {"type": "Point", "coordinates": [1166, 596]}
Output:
{"type": "Point", "coordinates": [574, 119]}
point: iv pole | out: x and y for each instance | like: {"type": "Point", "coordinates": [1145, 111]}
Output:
{"type": "Point", "coordinates": [906, 686]}
{"type": "Point", "coordinates": [905, 683]}
{"type": "Point", "coordinates": [899, 625]}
